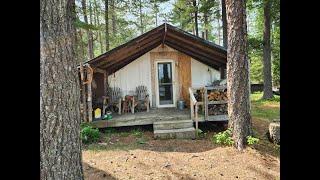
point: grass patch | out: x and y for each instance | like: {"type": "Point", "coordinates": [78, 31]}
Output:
{"type": "Point", "coordinates": [265, 109]}
{"type": "Point", "coordinates": [141, 141]}
{"type": "Point", "coordinates": [137, 133]}
{"type": "Point", "coordinates": [124, 134]}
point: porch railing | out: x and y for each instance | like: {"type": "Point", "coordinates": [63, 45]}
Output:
{"type": "Point", "coordinates": [194, 107]}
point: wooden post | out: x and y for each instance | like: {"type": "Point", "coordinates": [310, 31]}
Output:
{"type": "Point", "coordinates": [148, 104]}
{"type": "Point", "coordinates": [105, 92]}
{"type": "Point", "coordinates": [132, 105]}
{"type": "Point", "coordinates": [222, 73]}
{"type": "Point", "coordinates": [191, 109]}
{"type": "Point", "coordinates": [90, 77]}
{"type": "Point", "coordinates": [196, 117]}
{"type": "Point", "coordinates": [83, 93]}
{"type": "Point", "coordinates": [119, 105]}
{"type": "Point", "coordinates": [205, 104]}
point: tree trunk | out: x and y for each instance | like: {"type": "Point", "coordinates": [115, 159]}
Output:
{"type": "Point", "coordinates": [113, 18]}
{"type": "Point", "coordinates": [224, 23]}
{"type": "Point", "coordinates": [90, 40]}
{"type": "Point", "coordinates": [196, 17]}
{"type": "Point", "coordinates": [206, 24]}
{"type": "Point", "coordinates": [106, 5]}
{"type": "Point", "coordinates": [89, 33]}
{"type": "Point", "coordinates": [267, 77]}
{"type": "Point", "coordinates": [82, 49]}
{"type": "Point", "coordinates": [155, 6]}
{"type": "Point", "coordinates": [140, 11]}
{"type": "Point", "coordinates": [60, 145]}
{"type": "Point", "coordinates": [97, 17]}
{"type": "Point", "coordinates": [238, 86]}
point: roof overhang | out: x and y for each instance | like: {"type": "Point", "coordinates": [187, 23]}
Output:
{"type": "Point", "coordinates": [196, 47]}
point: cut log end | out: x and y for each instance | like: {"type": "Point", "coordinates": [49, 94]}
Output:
{"type": "Point", "coordinates": [274, 132]}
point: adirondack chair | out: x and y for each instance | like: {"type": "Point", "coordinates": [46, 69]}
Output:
{"type": "Point", "coordinates": [113, 99]}
{"type": "Point", "coordinates": [141, 98]}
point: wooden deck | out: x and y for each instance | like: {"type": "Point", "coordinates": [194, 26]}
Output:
{"type": "Point", "coordinates": [148, 118]}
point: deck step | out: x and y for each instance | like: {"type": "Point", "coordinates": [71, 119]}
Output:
{"type": "Point", "coordinates": [176, 124]}
{"type": "Point", "coordinates": [183, 133]}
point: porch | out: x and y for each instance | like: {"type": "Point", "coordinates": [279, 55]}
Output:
{"type": "Point", "coordinates": [154, 115]}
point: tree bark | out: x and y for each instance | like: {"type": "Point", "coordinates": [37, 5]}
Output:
{"type": "Point", "coordinates": [97, 17]}
{"type": "Point", "coordinates": [113, 18]}
{"type": "Point", "coordinates": [238, 86]}
{"type": "Point", "coordinates": [106, 15]}
{"type": "Point", "coordinates": [206, 32]}
{"type": "Point", "coordinates": [60, 145]}
{"type": "Point", "coordinates": [140, 11]}
{"type": "Point", "coordinates": [267, 77]}
{"type": "Point", "coordinates": [89, 33]}
{"type": "Point", "coordinates": [196, 17]}
{"type": "Point", "coordinates": [224, 23]}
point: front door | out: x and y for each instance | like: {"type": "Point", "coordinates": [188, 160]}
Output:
{"type": "Point", "coordinates": [165, 84]}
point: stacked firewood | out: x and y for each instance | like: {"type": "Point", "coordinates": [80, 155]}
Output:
{"type": "Point", "coordinates": [217, 96]}
{"type": "Point", "coordinates": [217, 109]}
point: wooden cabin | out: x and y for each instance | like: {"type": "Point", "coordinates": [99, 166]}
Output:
{"type": "Point", "coordinates": [168, 62]}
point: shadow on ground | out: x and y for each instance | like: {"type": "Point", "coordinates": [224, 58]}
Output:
{"type": "Point", "coordinates": [92, 173]}
{"type": "Point", "coordinates": [141, 137]}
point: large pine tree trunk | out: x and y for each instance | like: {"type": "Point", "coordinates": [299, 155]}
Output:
{"type": "Point", "coordinates": [60, 145]}
{"type": "Point", "coordinates": [267, 77]}
{"type": "Point", "coordinates": [238, 73]}
{"type": "Point", "coordinates": [106, 17]}
{"type": "Point", "coordinates": [196, 17]}
{"type": "Point", "coordinates": [89, 33]}
{"type": "Point", "coordinates": [224, 23]}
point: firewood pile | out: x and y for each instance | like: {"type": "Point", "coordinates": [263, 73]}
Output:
{"type": "Point", "coordinates": [217, 109]}
{"type": "Point", "coordinates": [217, 96]}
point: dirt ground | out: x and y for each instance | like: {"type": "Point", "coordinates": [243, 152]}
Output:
{"type": "Point", "coordinates": [139, 156]}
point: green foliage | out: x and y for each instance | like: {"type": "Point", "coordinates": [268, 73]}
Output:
{"type": "Point", "coordinates": [201, 134]}
{"type": "Point", "coordinates": [137, 133]}
{"type": "Point", "coordinates": [252, 140]}
{"type": "Point", "coordinates": [89, 134]}
{"type": "Point", "coordinates": [265, 109]}
{"type": "Point", "coordinates": [224, 137]}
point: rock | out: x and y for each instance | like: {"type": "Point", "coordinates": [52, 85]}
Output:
{"type": "Point", "coordinates": [104, 175]}
{"type": "Point", "coordinates": [274, 132]}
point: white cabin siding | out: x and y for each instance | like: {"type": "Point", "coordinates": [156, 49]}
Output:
{"type": "Point", "coordinates": [200, 76]}
{"type": "Point", "coordinates": [132, 75]}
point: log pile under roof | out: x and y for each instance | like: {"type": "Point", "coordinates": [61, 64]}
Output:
{"type": "Point", "coordinates": [196, 47]}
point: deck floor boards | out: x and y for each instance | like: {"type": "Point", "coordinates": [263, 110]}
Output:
{"type": "Point", "coordinates": [148, 118]}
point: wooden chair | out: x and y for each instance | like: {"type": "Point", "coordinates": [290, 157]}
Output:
{"type": "Point", "coordinates": [113, 99]}
{"type": "Point", "coordinates": [141, 98]}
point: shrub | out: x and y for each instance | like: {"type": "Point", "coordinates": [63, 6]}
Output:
{"type": "Point", "coordinates": [252, 140]}
{"type": "Point", "coordinates": [224, 138]}
{"type": "Point", "coordinates": [89, 134]}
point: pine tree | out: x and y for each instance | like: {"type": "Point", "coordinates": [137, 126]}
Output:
{"type": "Point", "coordinates": [238, 85]}
{"type": "Point", "coordinates": [60, 145]}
